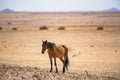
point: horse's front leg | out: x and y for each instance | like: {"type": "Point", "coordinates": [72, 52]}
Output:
{"type": "Point", "coordinates": [55, 65]}
{"type": "Point", "coordinates": [51, 64]}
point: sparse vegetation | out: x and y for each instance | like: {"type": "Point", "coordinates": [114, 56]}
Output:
{"type": "Point", "coordinates": [1, 28]}
{"type": "Point", "coordinates": [100, 28]}
{"type": "Point", "coordinates": [91, 45]}
{"type": "Point", "coordinates": [44, 28]}
{"type": "Point", "coordinates": [9, 23]}
{"type": "Point", "coordinates": [61, 28]}
{"type": "Point", "coordinates": [29, 73]}
{"type": "Point", "coordinates": [74, 55]}
{"type": "Point", "coordinates": [14, 28]}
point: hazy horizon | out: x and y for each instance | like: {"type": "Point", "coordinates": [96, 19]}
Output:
{"type": "Point", "coordinates": [59, 5]}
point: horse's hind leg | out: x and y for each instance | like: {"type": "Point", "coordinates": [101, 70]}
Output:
{"type": "Point", "coordinates": [51, 64]}
{"type": "Point", "coordinates": [66, 62]}
{"type": "Point", "coordinates": [64, 68]}
{"type": "Point", "coordinates": [56, 65]}
{"type": "Point", "coordinates": [61, 59]}
{"type": "Point", "coordinates": [64, 65]}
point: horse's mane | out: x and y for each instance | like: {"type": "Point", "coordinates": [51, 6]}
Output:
{"type": "Point", "coordinates": [51, 45]}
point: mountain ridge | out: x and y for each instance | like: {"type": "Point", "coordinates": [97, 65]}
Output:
{"type": "Point", "coordinates": [7, 10]}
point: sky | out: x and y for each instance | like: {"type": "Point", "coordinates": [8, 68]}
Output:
{"type": "Point", "coordinates": [59, 5]}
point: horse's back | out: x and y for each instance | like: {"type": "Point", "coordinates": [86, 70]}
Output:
{"type": "Point", "coordinates": [59, 50]}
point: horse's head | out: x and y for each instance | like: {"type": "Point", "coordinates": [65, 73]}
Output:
{"type": "Point", "coordinates": [44, 46]}
{"type": "Point", "coordinates": [47, 45]}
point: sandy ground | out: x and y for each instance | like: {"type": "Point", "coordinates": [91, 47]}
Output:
{"type": "Point", "coordinates": [97, 52]}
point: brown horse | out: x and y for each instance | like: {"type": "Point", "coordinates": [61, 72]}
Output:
{"type": "Point", "coordinates": [56, 51]}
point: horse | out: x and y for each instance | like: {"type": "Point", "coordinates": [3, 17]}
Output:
{"type": "Point", "coordinates": [56, 51]}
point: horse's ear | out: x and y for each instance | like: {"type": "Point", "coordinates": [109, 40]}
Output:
{"type": "Point", "coordinates": [46, 41]}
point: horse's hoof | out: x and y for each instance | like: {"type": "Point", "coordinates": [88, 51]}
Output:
{"type": "Point", "coordinates": [56, 71]}
{"type": "Point", "coordinates": [63, 72]}
{"type": "Point", "coordinates": [50, 70]}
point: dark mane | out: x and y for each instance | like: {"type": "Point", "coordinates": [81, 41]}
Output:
{"type": "Point", "coordinates": [51, 45]}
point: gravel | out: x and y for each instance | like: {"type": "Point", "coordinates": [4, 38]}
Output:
{"type": "Point", "coordinates": [8, 72]}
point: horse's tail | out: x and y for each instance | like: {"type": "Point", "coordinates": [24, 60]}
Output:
{"type": "Point", "coordinates": [67, 59]}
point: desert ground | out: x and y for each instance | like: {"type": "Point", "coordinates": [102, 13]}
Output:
{"type": "Point", "coordinates": [94, 53]}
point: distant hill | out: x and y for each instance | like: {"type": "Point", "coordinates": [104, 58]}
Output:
{"type": "Point", "coordinates": [113, 9]}
{"type": "Point", "coordinates": [7, 10]}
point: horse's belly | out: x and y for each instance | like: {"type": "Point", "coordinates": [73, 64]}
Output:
{"type": "Point", "coordinates": [58, 55]}
{"type": "Point", "coordinates": [59, 52]}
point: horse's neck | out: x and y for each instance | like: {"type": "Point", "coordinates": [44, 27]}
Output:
{"type": "Point", "coordinates": [52, 50]}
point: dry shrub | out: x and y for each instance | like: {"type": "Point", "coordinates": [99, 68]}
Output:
{"type": "Point", "coordinates": [74, 55]}
{"type": "Point", "coordinates": [61, 28]}
{"type": "Point", "coordinates": [14, 28]}
{"type": "Point", "coordinates": [91, 45]}
{"type": "Point", "coordinates": [44, 28]}
{"type": "Point", "coordinates": [9, 23]}
{"type": "Point", "coordinates": [100, 28]}
{"type": "Point", "coordinates": [1, 28]}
